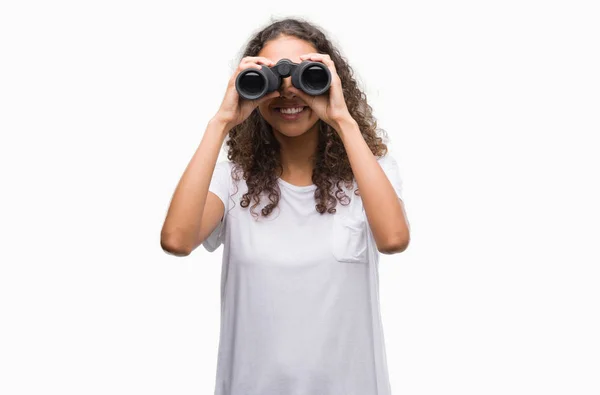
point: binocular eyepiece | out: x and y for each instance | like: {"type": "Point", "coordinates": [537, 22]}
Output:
{"type": "Point", "coordinates": [313, 78]}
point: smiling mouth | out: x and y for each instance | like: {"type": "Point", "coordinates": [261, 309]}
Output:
{"type": "Point", "coordinates": [290, 110]}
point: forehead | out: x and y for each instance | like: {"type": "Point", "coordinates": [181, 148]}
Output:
{"type": "Point", "coordinates": [286, 47]}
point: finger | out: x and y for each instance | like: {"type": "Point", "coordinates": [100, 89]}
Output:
{"type": "Point", "coordinates": [258, 59]}
{"type": "Point", "coordinates": [245, 66]}
{"type": "Point", "coordinates": [254, 62]}
{"type": "Point", "coordinates": [242, 67]}
{"type": "Point", "coordinates": [270, 96]}
{"type": "Point", "coordinates": [319, 57]}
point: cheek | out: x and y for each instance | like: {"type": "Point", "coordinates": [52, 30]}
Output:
{"type": "Point", "coordinates": [268, 116]}
{"type": "Point", "coordinates": [264, 111]}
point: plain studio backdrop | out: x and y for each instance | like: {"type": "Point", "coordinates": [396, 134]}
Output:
{"type": "Point", "coordinates": [492, 110]}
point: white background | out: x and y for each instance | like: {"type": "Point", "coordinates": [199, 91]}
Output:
{"type": "Point", "coordinates": [492, 108]}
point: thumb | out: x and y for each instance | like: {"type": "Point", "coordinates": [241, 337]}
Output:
{"type": "Point", "coordinates": [271, 95]}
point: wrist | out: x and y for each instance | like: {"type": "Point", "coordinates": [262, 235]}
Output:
{"type": "Point", "coordinates": [219, 125]}
{"type": "Point", "coordinates": [345, 124]}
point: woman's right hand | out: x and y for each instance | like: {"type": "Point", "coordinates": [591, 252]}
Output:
{"type": "Point", "coordinates": [234, 110]}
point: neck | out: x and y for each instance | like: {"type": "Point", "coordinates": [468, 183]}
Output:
{"type": "Point", "coordinates": [297, 154]}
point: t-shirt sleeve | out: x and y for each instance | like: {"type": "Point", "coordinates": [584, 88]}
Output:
{"type": "Point", "coordinates": [219, 185]}
{"type": "Point", "coordinates": [392, 170]}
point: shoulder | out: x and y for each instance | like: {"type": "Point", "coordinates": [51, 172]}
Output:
{"type": "Point", "coordinates": [224, 168]}
{"type": "Point", "coordinates": [224, 165]}
{"type": "Point", "coordinates": [229, 172]}
{"type": "Point", "coordinates": [387, 159]}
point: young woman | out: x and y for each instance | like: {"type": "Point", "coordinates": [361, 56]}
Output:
{"type": "Point", "coordinates": [300, 299]}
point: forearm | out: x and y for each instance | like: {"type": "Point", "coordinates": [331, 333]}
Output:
{"type": "Point", "coordinates": [184, 217]}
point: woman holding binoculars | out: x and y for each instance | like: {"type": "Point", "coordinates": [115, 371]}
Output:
{"type": "Point", "coordinates": [305, 204]}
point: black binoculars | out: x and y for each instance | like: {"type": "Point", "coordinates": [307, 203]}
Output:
{"type": "Point", "coordinates": [313, 78]}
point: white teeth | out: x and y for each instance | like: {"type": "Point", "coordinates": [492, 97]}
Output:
{"type": "Point", "coordinates": [291, 110]}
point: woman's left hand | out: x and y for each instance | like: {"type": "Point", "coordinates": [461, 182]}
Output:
{"type": "Point", "coordinates": [330, 106]}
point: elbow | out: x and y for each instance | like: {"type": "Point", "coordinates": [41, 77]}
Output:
{"type": "Point", "coordinates": [174, 245]}
{"type": "Point", "coordinates": [395, 246]}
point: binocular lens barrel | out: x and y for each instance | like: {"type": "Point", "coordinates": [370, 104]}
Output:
{"type": "Point", "coordinates": [252, 83]}
{"type": "Point", "coordinates": [314, 78]}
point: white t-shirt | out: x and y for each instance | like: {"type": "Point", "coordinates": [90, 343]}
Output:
{"type": "Point", "coordinates": [299, 294]}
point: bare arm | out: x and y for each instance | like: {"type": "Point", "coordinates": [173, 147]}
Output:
{"type": "Point", "coordinates": [181, 231]}
{"type": "Point", "coordinates": [385, 211]}
{"type": "Point", "coordinates": [194, 211]}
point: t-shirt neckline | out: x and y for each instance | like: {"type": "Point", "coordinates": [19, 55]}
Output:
{"type": "Point", "coordinates": [298, 188]}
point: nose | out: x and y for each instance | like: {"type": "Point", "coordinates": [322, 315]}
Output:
{"type": "Point", "coordinates": [286, 83]}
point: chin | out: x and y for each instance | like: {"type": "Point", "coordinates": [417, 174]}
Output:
{"type": "Point", "coordinates": [292, 130]}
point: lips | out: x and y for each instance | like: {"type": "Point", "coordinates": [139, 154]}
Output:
{"type": "Point", "coordinates": [288, 105]}
{"type": "Point", "coordinates": [301, 108]}
{"type": "Point", "coordinates": [290, 116]}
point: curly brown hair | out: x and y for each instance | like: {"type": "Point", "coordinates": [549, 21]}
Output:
{"type": "Point", "coordinates": [254, 150]}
